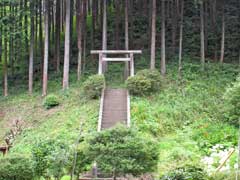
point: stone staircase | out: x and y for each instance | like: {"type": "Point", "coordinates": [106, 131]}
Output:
{"type": "Point", "coordinates": [115, 108]}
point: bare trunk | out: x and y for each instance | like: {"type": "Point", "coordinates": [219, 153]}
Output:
{"type": "Point", "coordinates": [5, 69]}
{"type": "Point", "coordinates": [67, 47]}
{"type": "Point", "coordinates": [181, 39]}
{"type": "Point", "coordinates": [104, 33]}
{"type": "Point", "coordinates": [174, 27]}
{"type": "Point", "coordinates": [163, 50]}
{"type": "Point", "coordinates": [117, 22]}
{"type": "Point", "coordinates": [46, 48]}
{"type": "Point", "coordinates": [79, 23]}
{"type": "Point", "coordinates": [223, 37]}
{"type": "Point", "coordinates": [153, 39]}
{"type": "Point", "coordinates": [84, 35]}
{"type": "Point", "coordinates": [31, 53]}
{"type": "Point", "coordinates": [57, 36]}
{"type": "Point", "coordinates": [126, 37]}
{"type": "Point", "coordinates": [202, 35]}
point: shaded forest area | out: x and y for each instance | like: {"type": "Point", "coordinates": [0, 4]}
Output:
{"type": "Point", "coordinates": [41, 38]}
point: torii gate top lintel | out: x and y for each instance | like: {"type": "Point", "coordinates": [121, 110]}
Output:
{"type": "Point", "coordinates": [128, 58]}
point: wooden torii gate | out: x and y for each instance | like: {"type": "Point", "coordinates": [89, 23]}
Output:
{"type": "Point", "coordinates": [129, 57]}
{"type": "Point", "coordinates": [115, 103]}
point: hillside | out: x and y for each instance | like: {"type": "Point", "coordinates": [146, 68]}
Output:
{"type": "Point", "coordinates": [185, 116]}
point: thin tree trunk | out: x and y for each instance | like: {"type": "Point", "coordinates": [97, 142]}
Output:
{"type": "Point", "coordinates": [57, 36]}
{"type": "Point", "coordinates": [5, 65]}
{"type": "Point", "coordinates": [5, 68]}
{"type": "Point", "coordinates": [84, 35]}
{"type": "Point", "coordinates": [126, 36]}
{"type": "Point", "coordinates": [46, 48]}
{"type": "Point", "coordinates": [94, 16]}
{"type": "Point", "coordinates": [117, 22]}
{"type": "Point", "coordinates": [181, 40]}
{"type": "Point", "coordinates": [67, 47]}
{"type": "Point", "coordinates": [202, 36]}
{"type": "Point", "coordinates": [223, 37]}
{"type": "Point", "coordinates": [41, 38]}
{"type": "Point", "coordinates": [31, 53]}
{"type": "Point", "coordinates": [104, 33]}
{"type": "Point", "coordinates": [174, 27]}
{"type": "Point", "coordinates": [153, 39]}
{"type": "Point", "coordinates": [163, 50]}
{"type": "Point", "coordinates": [79, 8]}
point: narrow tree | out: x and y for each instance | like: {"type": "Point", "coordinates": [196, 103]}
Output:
{"type": "Point", "coordinates": [104, 31]}
{"type": "Point", "coordinates": [117, 23]}
{"type": "Point", "coordinates": [126, 37]}
{"type": "Point", "coordinates": [163, 50]}
{"type": "Point", "coordinates": [79, 8]}
{"type": "Point", "coordinates": [57, 36]}
{"type": "Point", "coordinates": [46, 46]}
{"type": "Point", "coordinates": [181, 39]}
{"type": "Point", "coordinates": [31, 50]}
{"type": "Point", "coordinates": [153, 39]}
{"type": "Point", "coordinates": [223, 34]}
{"type": "Point", "coordinates": [202, 35]}
{"type": "Point", "coordinates": [5, 60]}
{"type": "Point", "coordinates": [67, 47]}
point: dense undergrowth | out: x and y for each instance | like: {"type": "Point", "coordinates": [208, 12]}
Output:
{"type": "Point", "coordinates": [186, 116]}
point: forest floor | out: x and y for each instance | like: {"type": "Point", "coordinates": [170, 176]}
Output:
{"type": "Point", "coordinates": [184, 116]}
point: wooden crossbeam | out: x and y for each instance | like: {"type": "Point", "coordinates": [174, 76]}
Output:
{"type": "Point", "coordinates": [116, 59]}
{"type": "Point", "coordinates": [116, 51]}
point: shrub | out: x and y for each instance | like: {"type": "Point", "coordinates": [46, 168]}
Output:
{"type": "Point", "coordinates": [16, 167]}
{"type": "Point", "coordinates": [186, 173]}
{"type": "Point", "coordinates": [120, 151]}
{"type": "Point", "coordinates": [93, 86]}
{"type": "Point", "coordinates": [51, 101]}
{"type": "Point", "coordinates": [51, 158]}
{"type": "Point", "coordinates": [154, 76]}
{"type": "Point", "coordinates": [232, 97]}
{"type": "Point", "coordinates": [138, 85]}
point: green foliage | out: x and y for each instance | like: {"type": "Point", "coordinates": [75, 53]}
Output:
{"type": "Point", "coordinates": [121, 151]}
{"type": "Point", "coordinates": [93, 86]}
{"type": "Point", "coordinates": [51, 101]}
{"type": "Point", "coordinates": [209, 134]}
{"type": "Point", "coordinates": [154, 76]}
{"type": "Point", "coordinates": [186, 173]}
{"type": "Point", "coordinates": [138, 85]}
{"type": "Point", "coordinates": [144, 82]}
{"type": "Point", "coordinates": [16, 167]}
{"type": "Point", "coordinates": [66, 178]}
{"type": "Point", "coordinates": [232, 97]}
{"type": "Point", "coordinates": [50, 158]}
{"type": "Point", "coordinates": [83, 162]}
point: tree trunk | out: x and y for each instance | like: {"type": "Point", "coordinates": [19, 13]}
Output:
{"type": "Point", "coordinates": [31, 53]}
{"type": "Point", "coordinates": [84, 33]}
{"type": "Point", "coordinates": [67, 47]}
{"type": "Point", "coordinates": [57, 36]}
{"type": "Point", "coordinates": [174, 27]}
{"type": "Point", "coordinates": [46, 48]}
{"type": "Point", "coordinates": [153, 39]}
{"type": "Point", "coordinates": [202, 35]}
{"type": "Point", "coordinates": [94, 16]}
{"type": "Point", "coordinates": [41, 38]}
{"type": "Point", "coordinates": [181, 40]}
{"type": "Point", "coordinates": [223, 37]}
{"type": "Point", "coordinates": [117, 22]}
{"type": "Point", "coordinates": [5, 61]}
{"type": "Point", "coordinates": [5, 67]}
{"type": "Point", "coordinates": [104, 32]}
{"type": "Point", "coordinates": [126, 37]}
{"type": "Point", "coordinates": [79, 8]}
{"type": "Point", "coordinates": [163, 50]}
